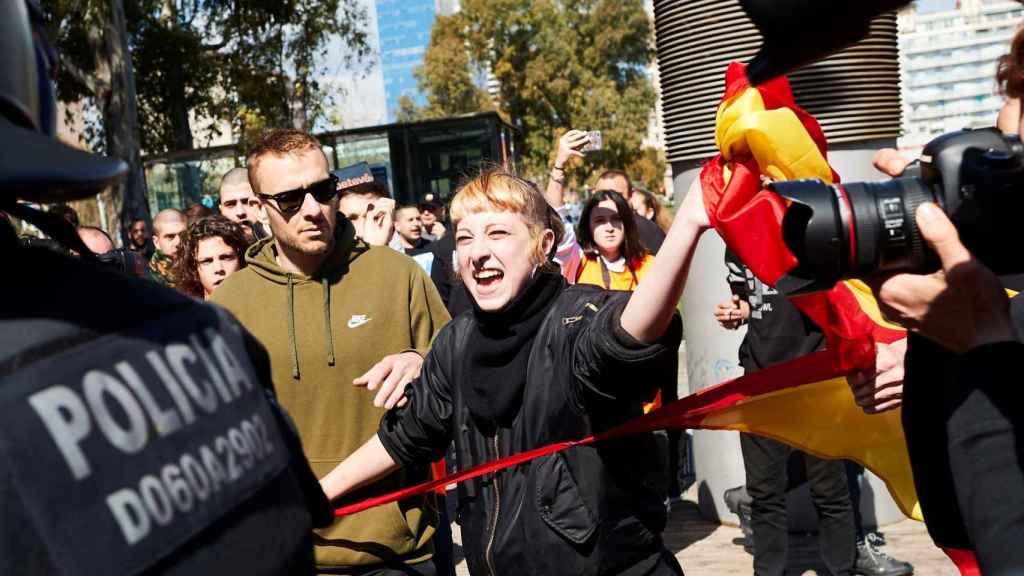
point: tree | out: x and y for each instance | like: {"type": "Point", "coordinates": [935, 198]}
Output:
{"type": "Point", "coordinates": [235, 64]}
{"type": "Point", "coordinates": [649, 170]}
{"type": "Point", "coordinates": [109, 82]}
{"type": "Point", "coordinates": [446, 74]}
{"type": "Point", "coordinates": [407, 110]}
{"type": "Point", "coordinates": [224, 63]}
{"type": "Point", "coordinates": [559, 64]}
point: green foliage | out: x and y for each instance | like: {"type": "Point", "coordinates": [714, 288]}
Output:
{"type": "Point", "coordinates": [407, 110]}
{"type": "Point", "coordinates": [559, 64]}
{"type": "Point", "coordinates": [648, 169]}
{"type": "Point", "coordinates": [446, 74]}
{"type": "Point", "coordinates": [243, 64]}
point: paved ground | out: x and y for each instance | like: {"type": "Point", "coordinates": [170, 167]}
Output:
{"type": "Point", "coordinates": [708, 549]}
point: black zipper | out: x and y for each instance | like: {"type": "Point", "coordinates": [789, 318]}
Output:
{"type": "Point", "coordinates": [488, 556]}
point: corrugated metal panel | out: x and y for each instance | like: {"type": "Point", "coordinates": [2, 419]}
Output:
{"type": "Point", "coordinates": [854, 94]}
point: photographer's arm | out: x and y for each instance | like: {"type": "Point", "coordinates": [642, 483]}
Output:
{"type": "Point", "coordinates": [650, 307]}
{"type": "Point", "coordinates": [1009, 119]}
{"type": "Point", "coordinates": [961, 307]}
{"type": "Point", "coordinates": [881, 388]}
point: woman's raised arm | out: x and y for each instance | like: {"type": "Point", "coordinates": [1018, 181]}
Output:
{"type": "Point", "coordinates": [650, 308]}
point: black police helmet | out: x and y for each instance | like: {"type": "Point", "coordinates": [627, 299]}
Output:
{"type": "Point", "coordinates": [34, 165]}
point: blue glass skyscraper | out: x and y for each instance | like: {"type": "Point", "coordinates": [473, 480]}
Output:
{"type": "Point", "coordinates": [404, 30]}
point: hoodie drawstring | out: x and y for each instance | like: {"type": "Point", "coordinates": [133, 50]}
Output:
{"type": "Point", "coordinates": [329, 333]}
{"type": "Point", "coordinates": [327, 323]}
{"type": "Point", "coordinates": [291, 328]}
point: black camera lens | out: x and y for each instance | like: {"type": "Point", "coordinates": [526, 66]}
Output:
{"type": "Point", "coordinates": [866, 228]}
{"type": "Point", "coordinates": [856, 230]}
{"type": "Point", "coordinates": [884, 229]}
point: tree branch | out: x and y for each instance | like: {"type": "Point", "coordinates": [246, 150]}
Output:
{"type": "Point", "coordinates": [81, 77]}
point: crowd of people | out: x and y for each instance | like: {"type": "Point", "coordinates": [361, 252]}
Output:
{"type": "Point", "coordinates": [296, 245]}
{"type": "Point", "coordinates": [353, 342]}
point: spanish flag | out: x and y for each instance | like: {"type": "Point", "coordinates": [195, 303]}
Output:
{"type": "Point", "coordinates": [762, 134]}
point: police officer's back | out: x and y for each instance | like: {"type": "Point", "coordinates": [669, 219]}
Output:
{"type": "Point", "coordinates": [139, 433]}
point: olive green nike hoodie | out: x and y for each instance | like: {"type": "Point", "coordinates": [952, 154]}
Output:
{"type": "Point", "coordinates": [322, 332]}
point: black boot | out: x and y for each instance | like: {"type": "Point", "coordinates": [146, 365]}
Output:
{"type": "Point", "coordinates": [738, 502]}
{"type": "Point", "coordinates": [872, 561]}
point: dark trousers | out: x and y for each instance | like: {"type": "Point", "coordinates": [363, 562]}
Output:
{"type": "Point", "coordinates": [765, 461]}
{"type": "Point", "coordinates": [986, 455]}
{"type": "Point", "coordinates": [855, 477]}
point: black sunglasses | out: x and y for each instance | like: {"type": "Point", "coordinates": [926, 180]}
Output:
{"type": "Point", "coordinates": [290, 201]}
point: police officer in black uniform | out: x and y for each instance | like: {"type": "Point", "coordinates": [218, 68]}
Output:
{"type": "Point", "coordinates": [140, 434]}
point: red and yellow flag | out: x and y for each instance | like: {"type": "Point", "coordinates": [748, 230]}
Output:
{"type": "Point", "coordinates": [762, 133]}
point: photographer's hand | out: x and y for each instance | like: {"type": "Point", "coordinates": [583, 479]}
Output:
{"type": "Point", "coordinates": [881, 388]}
{"type": "Point", "coordinates": [961, 307]}
{"type": "Point", "coordinates": [890, 161]}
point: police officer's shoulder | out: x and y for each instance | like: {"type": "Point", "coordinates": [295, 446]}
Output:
{"type": "Point", "coordinates": [56, 296]}
{"type": "Point", "coordinates": [65, 287]}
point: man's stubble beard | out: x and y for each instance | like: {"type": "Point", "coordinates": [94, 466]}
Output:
{"type": "Point", "coordinates": [293, 243]}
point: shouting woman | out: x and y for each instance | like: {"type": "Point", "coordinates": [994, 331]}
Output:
{"type": "Point", "coordinates": [538, 362]}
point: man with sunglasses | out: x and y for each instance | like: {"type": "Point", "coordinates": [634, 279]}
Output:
{"type": "Point", "coordinates": [327, 306]}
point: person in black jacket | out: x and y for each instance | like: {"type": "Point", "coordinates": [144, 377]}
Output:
{"type": "Point", "coordinates": [535, 363]}
{"type": "Point", "coordinates": [778, 332]}
{"type": "Point", "coordinates": [140, 435]}
{"type": "Point", "coordinates": [962, 413]}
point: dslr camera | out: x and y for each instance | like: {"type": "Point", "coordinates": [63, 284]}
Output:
{"type": "Point", "coordinates": [121, 260]}
{"type": "Point", "coordinates": [860, 229]}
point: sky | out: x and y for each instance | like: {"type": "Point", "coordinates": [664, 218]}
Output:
{"type": "Point", "coordinates": [926, 6]}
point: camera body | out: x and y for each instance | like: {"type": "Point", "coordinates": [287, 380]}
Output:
{"type": "Point", "coordinates": [860, 229]}
{"type": "Point", "coordinates": [120, 259]}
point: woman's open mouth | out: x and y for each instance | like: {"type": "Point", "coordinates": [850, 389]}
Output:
{"type": "Point", "coordinates": [488, 277]}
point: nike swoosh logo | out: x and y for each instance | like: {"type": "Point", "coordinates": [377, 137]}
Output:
{"type": "Point", "coordinates": [357, 321]}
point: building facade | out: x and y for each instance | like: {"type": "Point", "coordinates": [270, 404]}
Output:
{"type": "Point", "coordinates": [403, 28]}
{"type": "Point", "coordinates": [948, 67]}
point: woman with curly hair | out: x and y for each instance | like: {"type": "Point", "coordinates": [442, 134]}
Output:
{"type": "Point", "coordinates": [212, 249]}
{"type": "Point", "coordinates": [1010, 78]}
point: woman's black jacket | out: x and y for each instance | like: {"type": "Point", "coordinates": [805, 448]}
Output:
{"type": "Point", "coordinates": [594, 509]}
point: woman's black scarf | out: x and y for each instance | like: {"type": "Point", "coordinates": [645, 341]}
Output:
{"type": "Point", "coordinates": [498, 351]}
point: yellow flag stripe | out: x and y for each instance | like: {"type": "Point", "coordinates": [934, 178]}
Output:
{"type": "Point", "coordinates": [822, 419]}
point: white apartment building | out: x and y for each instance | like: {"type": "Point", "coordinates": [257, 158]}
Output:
{"type": "Point", "coordinates": [948, 67]}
